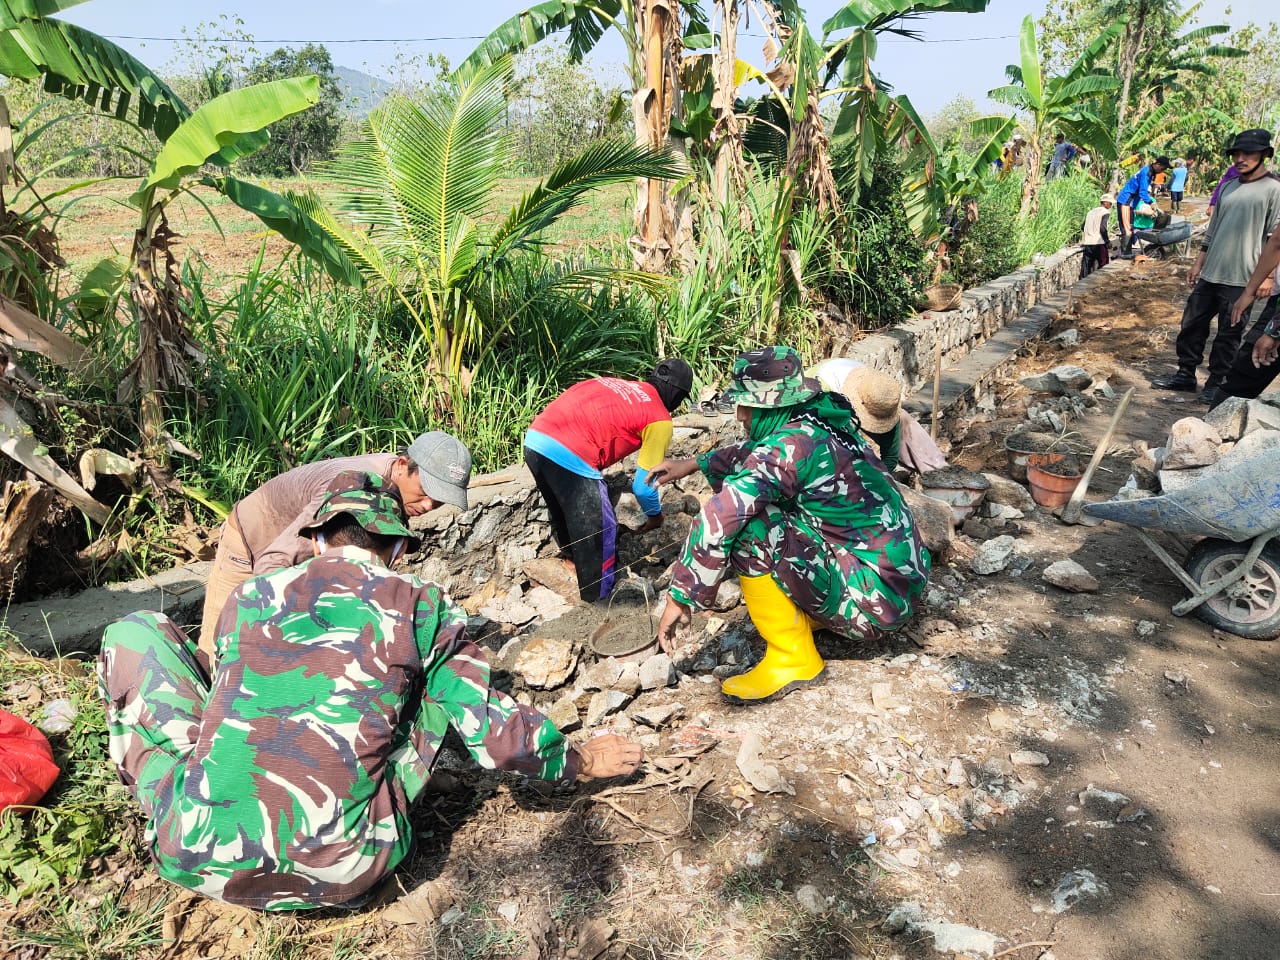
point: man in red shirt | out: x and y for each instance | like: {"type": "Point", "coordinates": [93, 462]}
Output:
{"type": "Point", "coordinates": [593, 425]}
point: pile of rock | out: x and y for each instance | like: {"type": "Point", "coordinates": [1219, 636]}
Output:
{"type": "Point", "coordinates": [1071, 391]}
{"type": "Point", "coordinates": [1231, 433]}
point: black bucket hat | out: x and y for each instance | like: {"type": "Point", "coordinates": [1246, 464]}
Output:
{"type": "Point", "coordinates": [1253, 141]}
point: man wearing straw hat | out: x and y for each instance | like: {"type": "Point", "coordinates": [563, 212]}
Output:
{"type": "Point", "coordinates": [877, 400]}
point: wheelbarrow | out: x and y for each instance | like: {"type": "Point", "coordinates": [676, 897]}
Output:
{"type": "Point", "coordinates": [1177, 233]}
{"type": "Point", "coordinates": [1232, 574]}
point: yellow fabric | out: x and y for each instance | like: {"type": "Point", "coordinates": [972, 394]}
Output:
{"type": "Point", "coordinates": [790, 655]}
{"type": "Point", "coordinates": [655, 440]}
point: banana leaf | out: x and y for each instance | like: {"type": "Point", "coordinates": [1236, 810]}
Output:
{"type": "Point", "coordinates": [291, 222]}
{"type": "Point", "coordinates": [227, 128]}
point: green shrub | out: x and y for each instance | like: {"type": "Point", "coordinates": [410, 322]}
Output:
{"type": "Point", "coordinates": [1064, 201]}
{"type": "Point", "coordinates": [990, 248]}
{"type": "Point", "coordinates": [880, 271]}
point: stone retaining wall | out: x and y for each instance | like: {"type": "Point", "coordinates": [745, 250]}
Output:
{"type": "Point", "coordinates": [907, 351]}
{"type": "Point", "coordinates": [507, 524]}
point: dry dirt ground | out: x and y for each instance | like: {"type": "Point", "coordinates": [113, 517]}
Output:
{"type": "Point", "coordinates": [1154, 820]}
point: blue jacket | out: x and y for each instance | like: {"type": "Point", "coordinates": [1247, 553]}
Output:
{"type": "Point", "coordinates": [1137, 189]}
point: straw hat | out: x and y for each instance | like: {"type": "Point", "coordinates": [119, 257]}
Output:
{"type": "Point", "coordinates": [876, 398]}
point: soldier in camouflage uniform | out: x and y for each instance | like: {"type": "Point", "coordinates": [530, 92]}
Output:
{"type": "Point", "coordinates": [806, 515]}
{"type": "Point", "coordinates": [286, 783]}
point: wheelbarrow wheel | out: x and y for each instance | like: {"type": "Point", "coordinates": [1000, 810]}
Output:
{"type": "Point", "coordinates": [1250, 607]}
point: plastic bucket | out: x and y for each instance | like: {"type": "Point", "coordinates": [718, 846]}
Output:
{"type": "Point", "coordinates": [1051, 490]}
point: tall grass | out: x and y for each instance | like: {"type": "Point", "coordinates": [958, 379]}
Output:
{"type": "Point", "coordinates": [1001, 241]}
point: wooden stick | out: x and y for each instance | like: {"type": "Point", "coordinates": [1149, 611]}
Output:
{"type": "Point", "coordinates": [1071, 512]}
{"type": "Point", "coordinates": [937, 385]}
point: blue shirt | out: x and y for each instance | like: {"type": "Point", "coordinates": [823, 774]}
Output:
{"type": "Point", "coordinates": [1137, 189]}
{"type": "Point", "coordinates": [1179, 179]}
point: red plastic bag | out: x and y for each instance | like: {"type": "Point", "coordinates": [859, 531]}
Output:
{"type": "Point", "coordinates": [27, 769]}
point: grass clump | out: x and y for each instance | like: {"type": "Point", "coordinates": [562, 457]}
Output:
{"type": "Point", "coordinates": [85, 817]}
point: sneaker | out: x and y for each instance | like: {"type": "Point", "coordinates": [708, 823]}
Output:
{"type": "Point", "coordinates": [1178, 381]}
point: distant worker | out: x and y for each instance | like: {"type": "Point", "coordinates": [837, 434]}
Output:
{"type": "Point", "coordinates": [876, 397]}
{"type": "Point", "coordinates": [593, 425]}
{"type": "Point", "coordinates": [262, 533]}
{"type": "Point", "coordinates": [1248, 209]}
{"type": "Point", "coordinates": [1177, 184]}
{"type": "Point", "coordinates": [1133, 197]}
{"type": "Point", "coordinates": [805, 516]}
{"type": "Point", "coordinates": [1094, 242]}
{"type": "Point", "coordinates": [288, 782]}
{"type": "Point", "coordinates": [1063, 151]}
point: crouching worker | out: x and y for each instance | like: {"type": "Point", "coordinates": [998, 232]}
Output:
{"type": "Point", "coordinates": [806, 516]}
{"type": "Point", "coordinates": [287, 783]}
{"type": "Point", "coordinates": [593, 425]}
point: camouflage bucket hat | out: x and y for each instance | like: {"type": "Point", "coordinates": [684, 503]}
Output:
{"type": "Point", "coordinates": [371, 501]}
{"type": "Point", "coordinates": [770, 377]}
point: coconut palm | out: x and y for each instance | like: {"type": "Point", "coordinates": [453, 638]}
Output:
{"type": "Point", "coordinates": [412, 197]}
{"type": "Point", "coordinates": [1068, 104]}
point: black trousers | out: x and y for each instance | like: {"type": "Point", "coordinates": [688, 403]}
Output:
{"type": "Point", "coordinates": [1244, 379]}
{"type": "Point", "coordinates": [1206, 301]}
{"type": "Point", "coordinates": [1093, 256]}
{"type": "Point", "coordinates": [582, 521]}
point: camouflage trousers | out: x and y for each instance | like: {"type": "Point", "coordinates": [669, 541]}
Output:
{"type": "Point", "coordinates": [155, 687]}
{"type": "Point", "coordinates": [831, 584]}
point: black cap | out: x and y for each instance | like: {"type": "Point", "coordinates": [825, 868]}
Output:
{"type": "Point", "coordinates": [1163, 161]}
{"type": "Point", "coordinates": [675, 372]}
{"type": "Point", "coordinates": [1252, 141]}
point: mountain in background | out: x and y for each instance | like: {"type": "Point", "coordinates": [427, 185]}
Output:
{"type": "Point", "coordinates": [361, 92]}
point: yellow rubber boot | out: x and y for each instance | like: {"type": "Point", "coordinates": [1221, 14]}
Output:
{"type": "Point", "coordinates": [790, 656]}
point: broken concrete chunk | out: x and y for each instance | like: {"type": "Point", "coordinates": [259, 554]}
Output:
{"type": "Point", "coordinates": [993, 556]}
{"type": "Point", "coordinates": [546, 663]}
{"type": "Point", "coordinates": [1071, 376]}
{"type": "Point", "coordinates": [605, 703]}
{"type": "Point", "coordinates": [1261, 416]}
{"type": "Point", "coordinates": [657, 672]}
{"type": "Point", "coordinates": [1229, 418]}
{"type": "Point", "coordinates": [564, 714]}
{"type": "Point", "coordinates": [762, 776]}
{"type": "Point", "coordinates": [1070, 576]}
{"type": "Point", "coordinates": [1029, 758]}
{"type": "Point", "coordinates": [1192, 443]}
{"type": "Point", "coordinates": [953, 938]}
{"type": "Point", "coordinates": [659, 715]}
{"type": "Point", "coordinates": [1008, 492]}
{"type": "Point", "coordinates": [602, 675]}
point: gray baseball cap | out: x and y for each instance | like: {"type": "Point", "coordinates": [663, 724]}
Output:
{"type": "Point", "coordinates": [444, 467]}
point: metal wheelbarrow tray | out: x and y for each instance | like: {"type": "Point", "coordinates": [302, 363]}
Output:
{"type": "Point", "coordinates": [1233, 574]}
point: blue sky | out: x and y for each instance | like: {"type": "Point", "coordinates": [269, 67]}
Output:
{"type": "Point", "coordinates": [950, 61]}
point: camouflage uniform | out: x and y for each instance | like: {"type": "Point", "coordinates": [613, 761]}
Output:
{"type": "Point", "coordinates": [287, 783]}
{"type": "Point", "coordinates": [814, 507]}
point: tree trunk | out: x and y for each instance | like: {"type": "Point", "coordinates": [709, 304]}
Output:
{"type": "Point", "coordinates": [1134, 34]}
{"type": "Point", "coordinates": [1035, 176]}
{"type": "Point", "coordinates": [23, 507]}
{"type": "Point", "coordinates": [163, 343]}
{"type": "Point", "coordinates": [653, 106]}
{"type": "Point", "coordinates": [730, 165]}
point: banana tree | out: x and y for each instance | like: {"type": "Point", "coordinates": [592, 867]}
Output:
{"type": "Point", "coordinates": [651, 31]}
{"type": "Point", "coordinates": [79, 64]}
{"type": "Point", "coordinates": [940, 196]}
{"type": "Point", "coordinates": [413, 190]}
{"type": "Point", "coordinates": [1069, 103]}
